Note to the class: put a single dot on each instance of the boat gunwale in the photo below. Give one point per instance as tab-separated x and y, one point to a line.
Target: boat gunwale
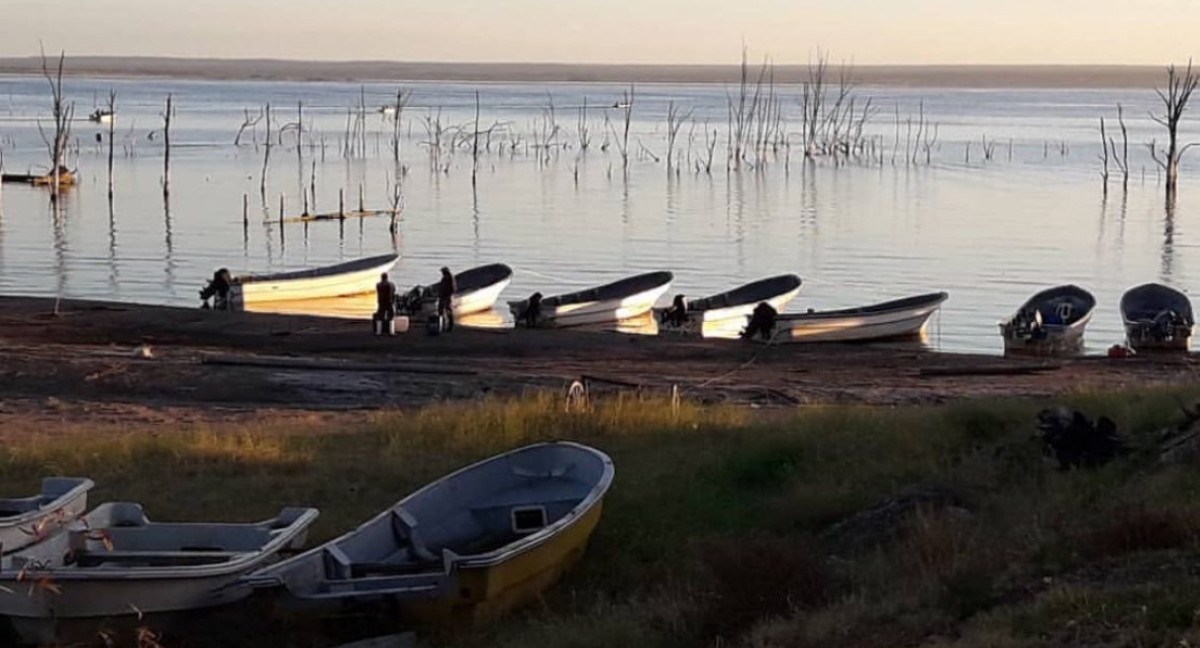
915	302
345	267
82	486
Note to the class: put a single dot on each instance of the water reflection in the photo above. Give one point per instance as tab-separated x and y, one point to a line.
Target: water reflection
1168	244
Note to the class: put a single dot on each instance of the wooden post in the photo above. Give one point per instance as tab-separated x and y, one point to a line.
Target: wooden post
360	199
341	203
245	210
281	210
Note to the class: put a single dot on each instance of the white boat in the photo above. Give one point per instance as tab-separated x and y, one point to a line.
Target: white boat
1051	321
114	562
620	300
28	520
724	314
894	319
471	545
342	280
478	290
1157	317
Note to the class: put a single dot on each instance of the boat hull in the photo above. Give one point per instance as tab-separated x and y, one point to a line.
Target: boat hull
342	284
485	593
597	312
468	303
856	327
726	322
1138	339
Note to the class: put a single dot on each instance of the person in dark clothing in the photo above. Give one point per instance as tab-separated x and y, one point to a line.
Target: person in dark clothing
762	322
446	289
677	314
385	300
533	311
218	287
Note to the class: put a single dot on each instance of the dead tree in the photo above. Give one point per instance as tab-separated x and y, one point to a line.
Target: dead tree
63	113
675	119
475	142
1175	102
166	179
112	119
248	122
581	127
1122	160
1104	157
625	104
402	97
262	187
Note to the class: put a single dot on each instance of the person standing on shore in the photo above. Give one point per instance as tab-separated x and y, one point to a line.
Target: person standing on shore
385	298
446	289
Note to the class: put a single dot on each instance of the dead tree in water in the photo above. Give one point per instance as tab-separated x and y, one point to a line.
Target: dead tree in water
1104	157
248	122
625	104
675	119
266	155
402	97
166	179
62	113
581	127
1175	102
1122	160
112	119
475	142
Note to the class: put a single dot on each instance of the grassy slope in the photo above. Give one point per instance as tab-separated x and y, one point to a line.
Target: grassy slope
712	532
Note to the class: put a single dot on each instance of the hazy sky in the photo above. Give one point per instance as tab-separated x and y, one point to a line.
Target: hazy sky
614	31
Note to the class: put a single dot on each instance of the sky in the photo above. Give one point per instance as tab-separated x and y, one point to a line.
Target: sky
614	31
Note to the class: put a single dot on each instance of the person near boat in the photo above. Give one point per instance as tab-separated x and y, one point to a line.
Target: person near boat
445	307
762	322
385	298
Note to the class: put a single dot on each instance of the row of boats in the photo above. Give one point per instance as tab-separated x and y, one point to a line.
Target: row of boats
479	289
471	545
1155	316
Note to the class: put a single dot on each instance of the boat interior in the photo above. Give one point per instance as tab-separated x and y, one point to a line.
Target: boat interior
482	277
53	488
1149	302
118	535
471	513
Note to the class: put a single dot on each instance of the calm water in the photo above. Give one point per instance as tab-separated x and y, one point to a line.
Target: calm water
989	232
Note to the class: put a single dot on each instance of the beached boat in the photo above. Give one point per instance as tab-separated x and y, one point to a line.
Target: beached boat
472	545
620	300
1051	321
728	310
894	319
114	562
478	290
1157	317
25	521
342	280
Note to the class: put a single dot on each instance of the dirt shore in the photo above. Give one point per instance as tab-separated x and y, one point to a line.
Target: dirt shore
88	363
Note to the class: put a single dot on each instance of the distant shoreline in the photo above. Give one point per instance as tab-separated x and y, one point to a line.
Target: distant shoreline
961	76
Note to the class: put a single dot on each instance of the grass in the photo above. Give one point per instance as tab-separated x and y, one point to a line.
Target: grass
715	530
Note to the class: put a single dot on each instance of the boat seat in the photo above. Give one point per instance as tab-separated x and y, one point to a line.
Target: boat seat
404	525
338	565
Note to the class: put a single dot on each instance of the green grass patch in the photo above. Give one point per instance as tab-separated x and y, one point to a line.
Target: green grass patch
714	531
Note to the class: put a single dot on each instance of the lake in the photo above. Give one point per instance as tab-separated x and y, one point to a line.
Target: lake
988	231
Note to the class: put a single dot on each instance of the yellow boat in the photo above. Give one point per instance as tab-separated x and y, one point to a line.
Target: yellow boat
470	546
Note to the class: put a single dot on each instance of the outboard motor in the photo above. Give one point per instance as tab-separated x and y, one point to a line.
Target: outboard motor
218	290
